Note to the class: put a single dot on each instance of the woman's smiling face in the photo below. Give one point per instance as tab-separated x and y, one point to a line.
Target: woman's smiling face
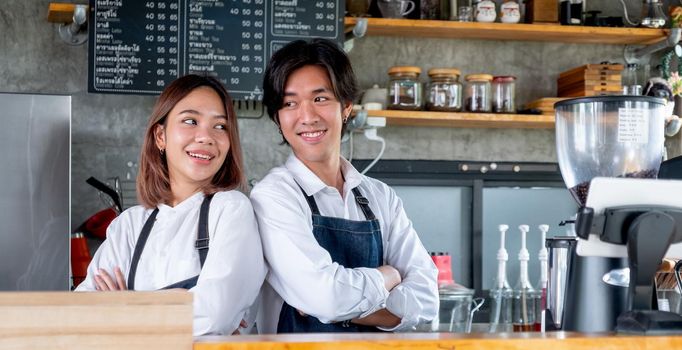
195	138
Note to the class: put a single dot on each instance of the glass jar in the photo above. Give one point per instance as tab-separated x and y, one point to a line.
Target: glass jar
504	94
404	88
444	92
454	311
477	93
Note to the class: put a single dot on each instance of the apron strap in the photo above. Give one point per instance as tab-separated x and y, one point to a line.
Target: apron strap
311	201
364	204
202	237
139	247
359	198
201	243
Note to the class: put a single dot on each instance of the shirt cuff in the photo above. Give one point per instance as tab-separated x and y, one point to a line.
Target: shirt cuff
402	303
376	293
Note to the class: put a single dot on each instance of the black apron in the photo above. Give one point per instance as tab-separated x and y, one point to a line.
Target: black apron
201	244
351	244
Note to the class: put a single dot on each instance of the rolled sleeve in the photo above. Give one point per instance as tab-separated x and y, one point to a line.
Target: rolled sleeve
415	299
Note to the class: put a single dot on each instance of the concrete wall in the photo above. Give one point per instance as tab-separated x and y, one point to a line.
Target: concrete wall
107	129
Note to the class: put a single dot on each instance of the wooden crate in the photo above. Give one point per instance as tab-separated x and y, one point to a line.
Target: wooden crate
96	320
590	80
542	11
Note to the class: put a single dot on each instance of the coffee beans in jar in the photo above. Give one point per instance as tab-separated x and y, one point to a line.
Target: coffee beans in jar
504	94
404	88
444	91
477	93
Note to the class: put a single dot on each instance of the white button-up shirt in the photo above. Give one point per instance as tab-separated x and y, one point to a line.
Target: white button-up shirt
233	271
303	273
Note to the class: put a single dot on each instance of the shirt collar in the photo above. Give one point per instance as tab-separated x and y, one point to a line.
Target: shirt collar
312	184
189	203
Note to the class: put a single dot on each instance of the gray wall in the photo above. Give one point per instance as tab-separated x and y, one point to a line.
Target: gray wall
107	129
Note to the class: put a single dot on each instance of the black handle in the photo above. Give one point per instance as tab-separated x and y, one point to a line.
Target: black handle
106	190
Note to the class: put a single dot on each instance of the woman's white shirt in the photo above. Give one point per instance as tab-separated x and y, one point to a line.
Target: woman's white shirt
303	273
233	271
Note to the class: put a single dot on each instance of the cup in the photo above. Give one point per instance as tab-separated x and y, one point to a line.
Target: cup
465	14
395	8
560	251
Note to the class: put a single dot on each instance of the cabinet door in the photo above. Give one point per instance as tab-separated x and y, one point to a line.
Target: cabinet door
441	215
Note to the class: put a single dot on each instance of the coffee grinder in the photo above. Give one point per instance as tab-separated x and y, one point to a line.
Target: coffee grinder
609	150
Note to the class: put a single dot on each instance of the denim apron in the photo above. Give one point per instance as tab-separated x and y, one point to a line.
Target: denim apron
351	244
201	244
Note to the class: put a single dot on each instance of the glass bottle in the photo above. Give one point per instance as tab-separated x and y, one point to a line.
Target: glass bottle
523	304
653	15
404	88
477	93
501	294
504	94
444	92
541	290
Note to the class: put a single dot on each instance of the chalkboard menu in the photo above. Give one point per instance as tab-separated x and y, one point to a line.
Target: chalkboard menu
140	46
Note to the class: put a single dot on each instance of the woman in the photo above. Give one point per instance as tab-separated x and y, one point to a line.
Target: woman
194	230
342	254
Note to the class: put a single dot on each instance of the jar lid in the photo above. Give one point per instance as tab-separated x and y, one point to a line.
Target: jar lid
454	72
455	290
395	70
479	77
504	79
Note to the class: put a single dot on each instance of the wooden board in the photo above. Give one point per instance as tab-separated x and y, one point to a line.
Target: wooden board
571	79
591	85
545	104
581	93
102	320
594	68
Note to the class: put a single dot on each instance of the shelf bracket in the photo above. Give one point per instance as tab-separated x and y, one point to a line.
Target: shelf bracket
640	54
72	20
359	30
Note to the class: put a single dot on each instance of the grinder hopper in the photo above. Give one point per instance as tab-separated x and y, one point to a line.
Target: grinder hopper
608	136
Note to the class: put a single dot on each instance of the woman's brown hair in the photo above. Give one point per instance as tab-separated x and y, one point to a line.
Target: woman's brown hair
153	182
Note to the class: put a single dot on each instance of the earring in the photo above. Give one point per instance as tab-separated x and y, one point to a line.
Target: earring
162	152
346	118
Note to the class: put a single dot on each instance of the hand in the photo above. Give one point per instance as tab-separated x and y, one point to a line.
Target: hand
391	276
242	324
380	318
104	282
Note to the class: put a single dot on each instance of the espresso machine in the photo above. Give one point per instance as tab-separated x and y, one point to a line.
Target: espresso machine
609	150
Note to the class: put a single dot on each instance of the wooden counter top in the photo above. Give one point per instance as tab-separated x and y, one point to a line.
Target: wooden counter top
515	341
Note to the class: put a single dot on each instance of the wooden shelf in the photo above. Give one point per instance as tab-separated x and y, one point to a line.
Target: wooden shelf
504	31
464	120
